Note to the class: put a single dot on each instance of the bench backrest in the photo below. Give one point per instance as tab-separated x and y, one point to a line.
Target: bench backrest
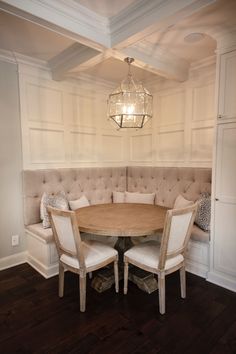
97	183
169	182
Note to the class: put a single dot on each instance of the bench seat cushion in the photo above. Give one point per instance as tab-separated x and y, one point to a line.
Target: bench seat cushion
199	235
38	230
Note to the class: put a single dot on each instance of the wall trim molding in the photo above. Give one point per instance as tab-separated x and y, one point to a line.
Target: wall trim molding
13	260
222	280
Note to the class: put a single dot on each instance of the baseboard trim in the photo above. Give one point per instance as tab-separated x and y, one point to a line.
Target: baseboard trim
222	280
46	272
13	260
195	268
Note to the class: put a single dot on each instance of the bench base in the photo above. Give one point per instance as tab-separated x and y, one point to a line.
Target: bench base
42	255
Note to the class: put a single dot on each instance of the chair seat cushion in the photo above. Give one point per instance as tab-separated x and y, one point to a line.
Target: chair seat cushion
94	253
148	253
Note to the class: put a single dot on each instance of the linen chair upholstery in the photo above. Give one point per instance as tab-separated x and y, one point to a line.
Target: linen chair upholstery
167	257
78	256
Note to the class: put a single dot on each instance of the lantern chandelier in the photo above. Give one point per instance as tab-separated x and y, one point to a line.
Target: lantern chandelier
130	105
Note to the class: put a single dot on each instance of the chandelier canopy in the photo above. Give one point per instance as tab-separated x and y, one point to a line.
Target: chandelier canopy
130	105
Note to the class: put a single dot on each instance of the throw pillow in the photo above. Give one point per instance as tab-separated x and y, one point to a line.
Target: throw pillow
203	216
143	198
181	202
118	197
58	201
79	203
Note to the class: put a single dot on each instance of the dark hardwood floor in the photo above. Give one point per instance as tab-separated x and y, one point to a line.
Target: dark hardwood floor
34	320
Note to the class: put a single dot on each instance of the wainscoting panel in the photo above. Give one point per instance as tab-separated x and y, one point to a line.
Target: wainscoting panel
83	146
202	142
65	124
203	103
171	146
112	147
81	110
44	104
141	147
46	145
172	107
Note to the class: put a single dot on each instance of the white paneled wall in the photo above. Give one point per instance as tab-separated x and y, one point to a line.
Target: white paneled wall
181	130
65	124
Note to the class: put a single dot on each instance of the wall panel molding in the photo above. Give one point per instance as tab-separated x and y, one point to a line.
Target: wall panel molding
65	123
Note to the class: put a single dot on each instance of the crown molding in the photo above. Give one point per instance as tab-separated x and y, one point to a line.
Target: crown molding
203	63
7	56
226	41
64	17
17	58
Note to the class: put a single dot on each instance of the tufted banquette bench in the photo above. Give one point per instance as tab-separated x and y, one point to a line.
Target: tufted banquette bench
98	183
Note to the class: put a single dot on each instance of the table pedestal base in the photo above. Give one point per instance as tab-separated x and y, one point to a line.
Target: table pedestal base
104	279
144	280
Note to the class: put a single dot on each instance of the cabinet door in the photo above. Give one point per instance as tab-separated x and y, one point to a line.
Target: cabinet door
225	205
227	84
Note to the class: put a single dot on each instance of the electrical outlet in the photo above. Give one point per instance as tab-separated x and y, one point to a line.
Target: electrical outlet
15	240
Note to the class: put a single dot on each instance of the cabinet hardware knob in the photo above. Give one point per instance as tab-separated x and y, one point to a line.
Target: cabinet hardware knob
216	199
220	116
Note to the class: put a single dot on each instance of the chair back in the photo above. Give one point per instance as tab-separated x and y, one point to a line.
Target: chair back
176	233
66	233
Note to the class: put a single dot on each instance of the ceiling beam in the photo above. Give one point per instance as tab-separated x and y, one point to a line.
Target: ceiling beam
77	54
157	61
144	17
91	62
66	18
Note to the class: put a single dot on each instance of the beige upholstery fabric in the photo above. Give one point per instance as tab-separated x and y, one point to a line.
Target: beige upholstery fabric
38	230
94	253
144	198
181	202
178	231
79	203
199	235
118	197
148	254
169	182
97	183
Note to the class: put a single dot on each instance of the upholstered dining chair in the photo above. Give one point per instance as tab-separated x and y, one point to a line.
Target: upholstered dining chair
167	257
78	256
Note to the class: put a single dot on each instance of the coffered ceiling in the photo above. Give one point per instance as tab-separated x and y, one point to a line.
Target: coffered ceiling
92	37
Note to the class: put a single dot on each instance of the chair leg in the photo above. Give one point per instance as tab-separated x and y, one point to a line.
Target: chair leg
182	274
162	295
116	273
61	280
82	286
126	273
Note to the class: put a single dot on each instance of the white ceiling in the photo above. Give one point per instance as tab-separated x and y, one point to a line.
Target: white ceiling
92	37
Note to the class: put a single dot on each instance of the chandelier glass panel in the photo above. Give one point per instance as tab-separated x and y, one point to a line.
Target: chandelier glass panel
130	105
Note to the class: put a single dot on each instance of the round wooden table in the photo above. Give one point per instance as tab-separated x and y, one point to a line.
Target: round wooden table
124	220
121	219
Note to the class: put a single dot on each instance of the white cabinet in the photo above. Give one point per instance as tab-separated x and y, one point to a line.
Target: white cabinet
227	86
223	238
224	245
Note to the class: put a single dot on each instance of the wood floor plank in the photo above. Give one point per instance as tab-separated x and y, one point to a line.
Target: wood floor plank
33	319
